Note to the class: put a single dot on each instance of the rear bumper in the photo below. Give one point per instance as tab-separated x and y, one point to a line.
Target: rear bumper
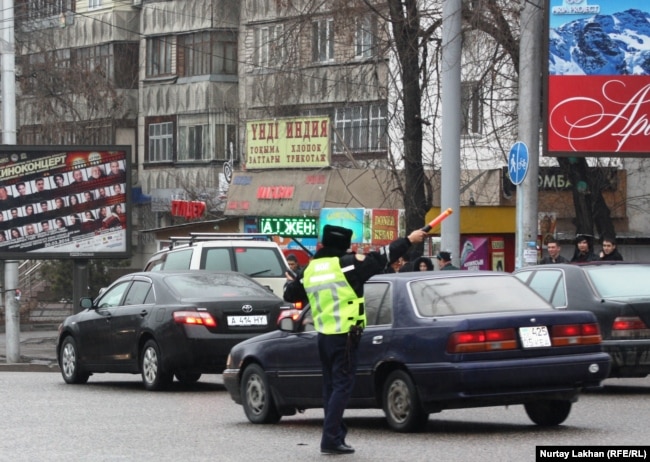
630	358
205	354
484	383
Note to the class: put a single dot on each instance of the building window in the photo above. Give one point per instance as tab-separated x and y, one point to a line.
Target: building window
472	122
92	4
226	141
161	142
159	56
360	128
366	37
40	9
194	138
323	40
268	49
96	59
206	53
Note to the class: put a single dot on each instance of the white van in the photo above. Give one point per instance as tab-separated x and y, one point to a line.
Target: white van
255	255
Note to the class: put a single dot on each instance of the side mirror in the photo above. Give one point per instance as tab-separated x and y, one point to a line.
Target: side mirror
86	303
287	324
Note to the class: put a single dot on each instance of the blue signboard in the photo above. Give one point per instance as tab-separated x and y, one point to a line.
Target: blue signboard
518	162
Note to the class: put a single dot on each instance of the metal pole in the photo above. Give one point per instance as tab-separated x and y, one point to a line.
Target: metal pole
451	117
529	120
12	312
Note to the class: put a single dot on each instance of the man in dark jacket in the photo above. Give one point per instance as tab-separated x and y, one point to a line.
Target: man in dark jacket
584	249
553	248
333	283
610	252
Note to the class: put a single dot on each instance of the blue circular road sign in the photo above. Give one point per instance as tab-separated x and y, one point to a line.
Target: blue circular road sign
518	162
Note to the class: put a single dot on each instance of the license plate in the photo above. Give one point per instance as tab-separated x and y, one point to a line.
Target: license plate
247	321
534	337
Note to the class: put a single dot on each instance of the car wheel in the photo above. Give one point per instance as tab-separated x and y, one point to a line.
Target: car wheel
187	377
548	413
154	376
69	362
256	396
402	404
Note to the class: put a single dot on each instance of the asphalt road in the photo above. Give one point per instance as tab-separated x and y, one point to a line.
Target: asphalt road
112	418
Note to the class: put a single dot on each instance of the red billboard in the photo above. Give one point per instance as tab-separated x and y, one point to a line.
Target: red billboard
65	202
597	78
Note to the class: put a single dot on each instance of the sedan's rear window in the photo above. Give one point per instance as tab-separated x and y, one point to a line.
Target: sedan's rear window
620	281
466	295
210	285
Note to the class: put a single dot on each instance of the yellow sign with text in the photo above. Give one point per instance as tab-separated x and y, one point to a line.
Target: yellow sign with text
301	142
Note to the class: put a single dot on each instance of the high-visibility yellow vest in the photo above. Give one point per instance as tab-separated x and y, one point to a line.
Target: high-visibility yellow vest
334	304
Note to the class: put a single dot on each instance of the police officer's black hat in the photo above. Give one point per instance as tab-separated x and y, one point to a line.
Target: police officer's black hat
337	237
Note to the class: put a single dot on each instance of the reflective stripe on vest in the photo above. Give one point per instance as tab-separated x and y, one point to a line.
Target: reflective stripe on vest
334	303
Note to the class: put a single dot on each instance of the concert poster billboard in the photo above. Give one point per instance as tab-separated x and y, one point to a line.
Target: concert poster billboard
65	202
597	81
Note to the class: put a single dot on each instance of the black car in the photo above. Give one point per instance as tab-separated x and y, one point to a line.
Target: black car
618	293
433	341
165	324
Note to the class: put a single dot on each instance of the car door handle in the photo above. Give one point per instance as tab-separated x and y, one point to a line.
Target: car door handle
143	313
378	340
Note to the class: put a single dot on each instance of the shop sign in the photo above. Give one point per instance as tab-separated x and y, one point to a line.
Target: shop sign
302	142
289	226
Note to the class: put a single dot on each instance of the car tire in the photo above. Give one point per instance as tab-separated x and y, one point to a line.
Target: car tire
187	377
256	396
69	362
548	413
401	404
154	377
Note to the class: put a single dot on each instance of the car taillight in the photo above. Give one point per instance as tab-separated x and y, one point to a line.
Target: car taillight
482	340
298	305
292	313
629	327
199	318
575	334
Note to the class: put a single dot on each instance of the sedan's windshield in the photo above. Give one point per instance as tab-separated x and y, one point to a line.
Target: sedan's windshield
620	281
465	295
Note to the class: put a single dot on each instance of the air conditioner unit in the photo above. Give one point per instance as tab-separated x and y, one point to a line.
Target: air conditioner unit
137	3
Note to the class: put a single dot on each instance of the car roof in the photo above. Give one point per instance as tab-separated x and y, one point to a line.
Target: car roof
414	275
583	265
163	274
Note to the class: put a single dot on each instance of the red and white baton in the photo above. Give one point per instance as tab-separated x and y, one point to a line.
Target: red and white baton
437	220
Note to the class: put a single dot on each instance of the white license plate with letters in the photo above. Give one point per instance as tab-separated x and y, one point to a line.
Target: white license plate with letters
534	337
247	320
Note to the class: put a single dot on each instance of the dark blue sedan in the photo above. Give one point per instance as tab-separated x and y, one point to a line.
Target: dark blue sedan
434	341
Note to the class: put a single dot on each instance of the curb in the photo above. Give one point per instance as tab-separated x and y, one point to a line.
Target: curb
30	367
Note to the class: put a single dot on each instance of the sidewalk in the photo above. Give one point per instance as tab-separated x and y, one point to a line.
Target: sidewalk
37	351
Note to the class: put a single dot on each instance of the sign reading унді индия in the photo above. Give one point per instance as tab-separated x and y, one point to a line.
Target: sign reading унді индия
288	143
598	78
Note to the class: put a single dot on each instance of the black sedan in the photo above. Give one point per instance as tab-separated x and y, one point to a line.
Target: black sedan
165	324
434	341
617	293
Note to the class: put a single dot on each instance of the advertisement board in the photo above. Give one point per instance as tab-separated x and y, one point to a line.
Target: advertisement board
302	142
65	202
597	78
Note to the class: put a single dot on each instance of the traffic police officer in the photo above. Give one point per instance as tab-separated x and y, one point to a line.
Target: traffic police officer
333	283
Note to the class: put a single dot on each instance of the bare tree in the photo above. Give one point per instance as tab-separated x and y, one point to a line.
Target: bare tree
499	20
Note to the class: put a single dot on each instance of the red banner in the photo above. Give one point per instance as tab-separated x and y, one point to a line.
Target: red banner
188	209
598	114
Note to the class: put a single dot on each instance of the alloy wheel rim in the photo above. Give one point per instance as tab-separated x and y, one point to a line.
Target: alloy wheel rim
150	365
68	360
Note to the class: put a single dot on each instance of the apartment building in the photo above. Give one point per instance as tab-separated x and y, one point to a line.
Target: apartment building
178	80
